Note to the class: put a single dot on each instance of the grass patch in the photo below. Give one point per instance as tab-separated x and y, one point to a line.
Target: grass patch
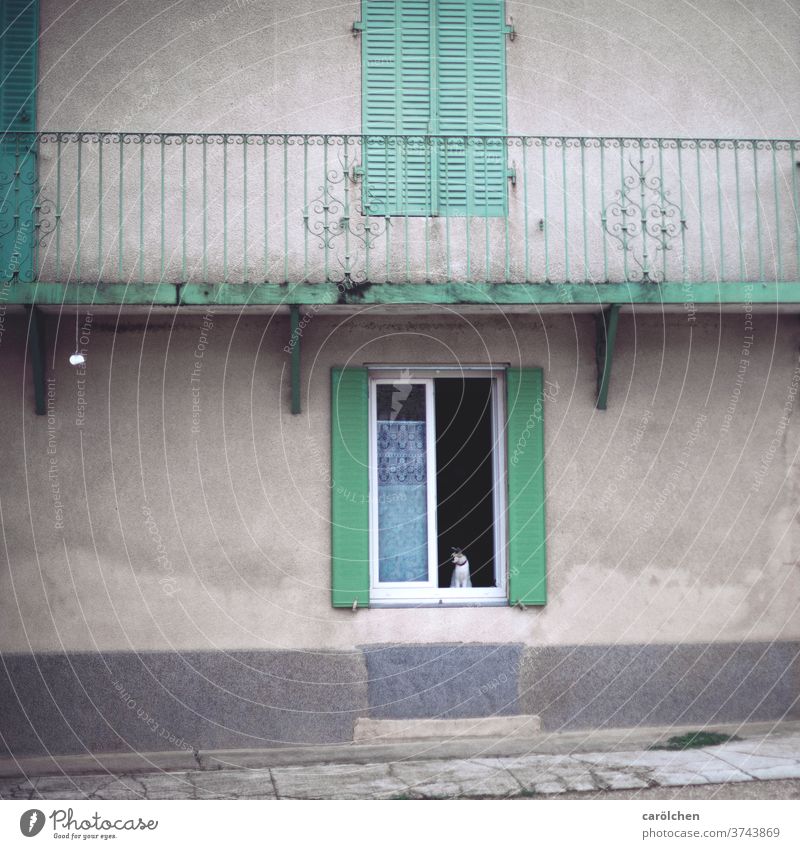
695	740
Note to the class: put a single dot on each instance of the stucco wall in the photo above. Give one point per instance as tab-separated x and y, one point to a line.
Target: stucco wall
140	517
211	211
580	67
710	68
665	522
205	65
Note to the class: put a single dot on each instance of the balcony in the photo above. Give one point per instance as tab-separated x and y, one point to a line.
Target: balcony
559	213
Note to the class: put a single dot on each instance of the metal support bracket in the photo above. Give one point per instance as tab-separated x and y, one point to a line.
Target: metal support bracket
605	337
358	26
294	349
511	174
36	349
509	29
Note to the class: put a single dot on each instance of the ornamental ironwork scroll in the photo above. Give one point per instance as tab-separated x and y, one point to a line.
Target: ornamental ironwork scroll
643	219
19	207
337	216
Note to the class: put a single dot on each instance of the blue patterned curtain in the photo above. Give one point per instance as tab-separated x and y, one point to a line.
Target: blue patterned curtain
402	501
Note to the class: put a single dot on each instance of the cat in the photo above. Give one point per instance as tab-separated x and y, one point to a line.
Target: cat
460	577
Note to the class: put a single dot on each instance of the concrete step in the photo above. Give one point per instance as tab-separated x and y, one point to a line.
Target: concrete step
522	726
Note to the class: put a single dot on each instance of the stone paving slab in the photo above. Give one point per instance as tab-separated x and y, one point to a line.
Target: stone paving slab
337	781
664	768
178	785
756	759
548	775
786	746
774	772
446	779
174	785
234	783
477	777
690	758
67	787
609	779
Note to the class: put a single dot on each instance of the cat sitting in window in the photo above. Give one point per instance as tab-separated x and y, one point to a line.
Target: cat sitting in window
460	577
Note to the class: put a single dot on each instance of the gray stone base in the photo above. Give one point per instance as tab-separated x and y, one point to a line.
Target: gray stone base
161	701
443	680
154	701
574	687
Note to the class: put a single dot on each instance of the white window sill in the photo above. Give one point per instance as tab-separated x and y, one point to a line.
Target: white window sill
406	603
489	597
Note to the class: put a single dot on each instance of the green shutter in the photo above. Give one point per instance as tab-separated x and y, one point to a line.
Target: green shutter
396	88
526	507
470	53
455	49
349	487
19	30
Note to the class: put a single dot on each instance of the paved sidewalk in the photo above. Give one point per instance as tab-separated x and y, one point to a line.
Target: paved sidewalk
757	758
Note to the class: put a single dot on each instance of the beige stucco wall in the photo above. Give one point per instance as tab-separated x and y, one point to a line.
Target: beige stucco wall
665	523
709	68
204	65
662	525
712	68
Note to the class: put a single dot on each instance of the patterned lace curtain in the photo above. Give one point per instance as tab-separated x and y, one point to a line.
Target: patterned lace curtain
402	502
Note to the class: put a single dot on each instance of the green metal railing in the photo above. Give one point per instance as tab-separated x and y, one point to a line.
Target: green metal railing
167	207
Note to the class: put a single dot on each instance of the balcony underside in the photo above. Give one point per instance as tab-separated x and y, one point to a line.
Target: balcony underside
688	294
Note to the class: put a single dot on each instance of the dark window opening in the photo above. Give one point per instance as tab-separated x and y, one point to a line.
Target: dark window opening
465	477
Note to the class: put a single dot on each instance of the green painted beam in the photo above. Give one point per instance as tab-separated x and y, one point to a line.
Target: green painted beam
37	349
690	294
606	330
503	294
294	345
66	294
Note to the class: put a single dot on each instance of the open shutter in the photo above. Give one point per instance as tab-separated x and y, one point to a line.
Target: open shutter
349	487
526	507
396	91
19	31
471	89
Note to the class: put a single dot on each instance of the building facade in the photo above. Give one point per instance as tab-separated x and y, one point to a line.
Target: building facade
296	299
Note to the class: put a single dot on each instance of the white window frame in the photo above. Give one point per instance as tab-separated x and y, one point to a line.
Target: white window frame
416	594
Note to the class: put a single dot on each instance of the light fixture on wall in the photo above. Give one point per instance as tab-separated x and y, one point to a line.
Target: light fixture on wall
78	358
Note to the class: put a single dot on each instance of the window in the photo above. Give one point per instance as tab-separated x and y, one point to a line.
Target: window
436	479
426	459
434	112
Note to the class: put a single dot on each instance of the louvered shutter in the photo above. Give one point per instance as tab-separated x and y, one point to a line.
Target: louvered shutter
434	67
470	73
349	487
19	30
396	88
526	492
